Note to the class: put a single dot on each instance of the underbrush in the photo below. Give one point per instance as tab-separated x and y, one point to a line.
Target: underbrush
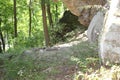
103	73
90	67
61	32
83	56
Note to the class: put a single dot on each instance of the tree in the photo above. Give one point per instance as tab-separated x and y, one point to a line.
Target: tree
49	13
56	13
2	43
30	17
22	22
46	33
15	19
6	22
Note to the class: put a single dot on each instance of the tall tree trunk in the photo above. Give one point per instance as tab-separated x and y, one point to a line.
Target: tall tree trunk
30	18
2	39
49	13
110	37
15	19
3	42
46	34
56	13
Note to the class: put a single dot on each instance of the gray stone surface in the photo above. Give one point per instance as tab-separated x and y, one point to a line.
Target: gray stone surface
95	27
110	36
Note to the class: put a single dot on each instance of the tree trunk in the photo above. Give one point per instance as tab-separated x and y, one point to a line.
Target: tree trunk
49	13
15	19
30	17
56	13
46	34
2	48
2	43
110	36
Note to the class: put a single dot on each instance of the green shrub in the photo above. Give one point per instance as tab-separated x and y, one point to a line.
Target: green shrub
17	67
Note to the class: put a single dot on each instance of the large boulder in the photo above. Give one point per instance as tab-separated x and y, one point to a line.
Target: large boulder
80	8
87	13
96	24
109	46
95	27
74	5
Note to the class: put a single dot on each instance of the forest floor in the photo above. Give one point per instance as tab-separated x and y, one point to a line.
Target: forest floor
63	61
75	60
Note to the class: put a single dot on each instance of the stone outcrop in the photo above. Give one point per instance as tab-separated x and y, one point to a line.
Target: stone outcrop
95	27
87	13
74	5
109	46
84	9
96	24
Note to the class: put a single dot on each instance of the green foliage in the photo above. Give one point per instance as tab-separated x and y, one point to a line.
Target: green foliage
33	41
6	14
7	27
87	57
60	30
57	33
26	68
17	67
23	39
83	56
66	24
102	74
89	67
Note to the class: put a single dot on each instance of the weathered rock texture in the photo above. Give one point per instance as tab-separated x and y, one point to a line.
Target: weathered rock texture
84	9
95	27
110	37
96	24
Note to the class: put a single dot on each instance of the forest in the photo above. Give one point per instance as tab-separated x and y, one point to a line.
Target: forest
55	40
21	22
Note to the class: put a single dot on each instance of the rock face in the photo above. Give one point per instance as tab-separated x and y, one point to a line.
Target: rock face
110	36
95	27
74	5
84	9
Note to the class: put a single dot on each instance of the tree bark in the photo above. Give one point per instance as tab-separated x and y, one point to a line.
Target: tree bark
109	45
3	42
46	34
15	19
2	39
30	18
49	13
56	13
